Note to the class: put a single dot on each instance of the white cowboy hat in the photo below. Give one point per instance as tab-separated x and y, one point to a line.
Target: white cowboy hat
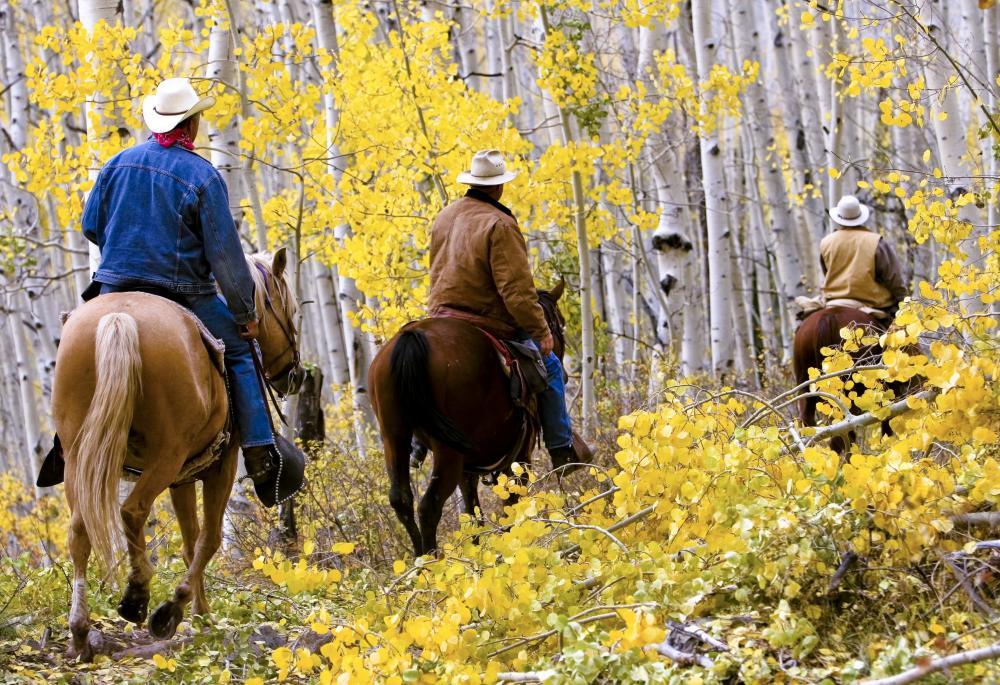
849	212
174	101
487	169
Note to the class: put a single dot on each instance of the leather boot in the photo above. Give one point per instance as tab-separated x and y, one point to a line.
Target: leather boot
578	454
259	462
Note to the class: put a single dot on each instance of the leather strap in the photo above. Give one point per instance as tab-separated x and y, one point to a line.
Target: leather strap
265	386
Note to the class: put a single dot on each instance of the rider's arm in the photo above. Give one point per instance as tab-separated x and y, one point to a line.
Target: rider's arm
512	275
888	271
224	251
93	219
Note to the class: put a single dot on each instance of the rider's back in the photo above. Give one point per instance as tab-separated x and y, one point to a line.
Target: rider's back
849	257
147	216
479	266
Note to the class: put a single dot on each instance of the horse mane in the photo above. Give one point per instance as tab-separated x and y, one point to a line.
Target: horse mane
260	270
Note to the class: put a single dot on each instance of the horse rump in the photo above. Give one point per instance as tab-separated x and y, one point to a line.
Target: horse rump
409	369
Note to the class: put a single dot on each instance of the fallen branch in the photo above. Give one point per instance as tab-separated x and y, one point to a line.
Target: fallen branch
637	516
970	591
696	632
861	420
682	658
935	665
846	562
526	677
978	518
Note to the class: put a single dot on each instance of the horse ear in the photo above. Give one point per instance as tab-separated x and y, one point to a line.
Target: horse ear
279	262
557	291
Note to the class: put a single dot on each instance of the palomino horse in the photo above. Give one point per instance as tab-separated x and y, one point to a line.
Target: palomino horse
440	380
155	397
822	329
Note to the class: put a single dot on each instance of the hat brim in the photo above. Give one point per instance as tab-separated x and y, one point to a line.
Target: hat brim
470	180
856	221
160	123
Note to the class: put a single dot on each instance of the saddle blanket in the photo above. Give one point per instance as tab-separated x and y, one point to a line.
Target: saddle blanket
807	305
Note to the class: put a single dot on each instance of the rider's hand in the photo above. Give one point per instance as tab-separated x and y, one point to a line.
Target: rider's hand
545	344
248	331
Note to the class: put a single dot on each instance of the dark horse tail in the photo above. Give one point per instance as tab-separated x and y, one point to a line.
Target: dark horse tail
408	366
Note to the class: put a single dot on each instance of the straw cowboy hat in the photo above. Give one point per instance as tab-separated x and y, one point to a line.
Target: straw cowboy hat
487	169
849	212
174	101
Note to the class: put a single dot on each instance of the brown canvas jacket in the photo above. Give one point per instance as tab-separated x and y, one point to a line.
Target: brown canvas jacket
860	265
480	269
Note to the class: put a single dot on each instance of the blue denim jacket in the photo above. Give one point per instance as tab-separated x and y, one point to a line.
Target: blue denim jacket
161	217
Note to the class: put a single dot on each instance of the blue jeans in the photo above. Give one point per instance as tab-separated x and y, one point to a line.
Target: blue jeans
249	408
557	431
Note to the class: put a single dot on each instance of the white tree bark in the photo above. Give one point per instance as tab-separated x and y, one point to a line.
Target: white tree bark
716	205
225	143
347	292
991	34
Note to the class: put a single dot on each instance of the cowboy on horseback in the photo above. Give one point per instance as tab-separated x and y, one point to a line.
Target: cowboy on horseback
860	267
160	215
480	273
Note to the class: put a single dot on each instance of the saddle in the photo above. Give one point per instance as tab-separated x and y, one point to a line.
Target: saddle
523	365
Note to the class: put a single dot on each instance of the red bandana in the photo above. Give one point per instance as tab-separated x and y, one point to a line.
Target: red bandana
178	135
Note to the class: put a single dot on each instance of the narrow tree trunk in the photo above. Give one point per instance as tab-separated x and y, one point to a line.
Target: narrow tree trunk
716	205
225	143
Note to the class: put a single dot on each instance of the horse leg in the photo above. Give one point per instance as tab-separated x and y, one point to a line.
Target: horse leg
164	465
216	488
79	613
397	464
184	498
469	485
470	493
445	477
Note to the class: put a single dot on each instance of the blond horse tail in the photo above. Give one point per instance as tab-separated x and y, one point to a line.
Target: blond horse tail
102	443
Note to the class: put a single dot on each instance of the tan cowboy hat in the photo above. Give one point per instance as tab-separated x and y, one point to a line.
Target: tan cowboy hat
849	212
174	101
487	169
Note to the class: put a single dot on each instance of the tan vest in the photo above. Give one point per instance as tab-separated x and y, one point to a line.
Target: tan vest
849	255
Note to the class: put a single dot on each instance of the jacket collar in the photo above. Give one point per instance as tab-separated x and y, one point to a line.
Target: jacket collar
483	197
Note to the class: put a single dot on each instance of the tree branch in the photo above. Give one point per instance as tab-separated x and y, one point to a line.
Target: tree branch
862	420
935	665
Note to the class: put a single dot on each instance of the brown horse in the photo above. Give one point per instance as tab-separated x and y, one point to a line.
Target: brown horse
822	329
153	398
440	380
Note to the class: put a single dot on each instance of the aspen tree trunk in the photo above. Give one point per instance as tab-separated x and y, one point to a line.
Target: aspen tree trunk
760	136
991	33
225	143
587	353
249	174
27	381
326	297
92	12
495	49
736	186
950	132
351	339
716	206
466	39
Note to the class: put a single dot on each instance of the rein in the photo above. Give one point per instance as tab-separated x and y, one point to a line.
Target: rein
265	385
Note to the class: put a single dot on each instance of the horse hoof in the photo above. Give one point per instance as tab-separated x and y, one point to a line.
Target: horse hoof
134	604
164	621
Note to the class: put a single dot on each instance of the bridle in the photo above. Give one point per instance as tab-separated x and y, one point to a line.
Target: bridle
292	373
